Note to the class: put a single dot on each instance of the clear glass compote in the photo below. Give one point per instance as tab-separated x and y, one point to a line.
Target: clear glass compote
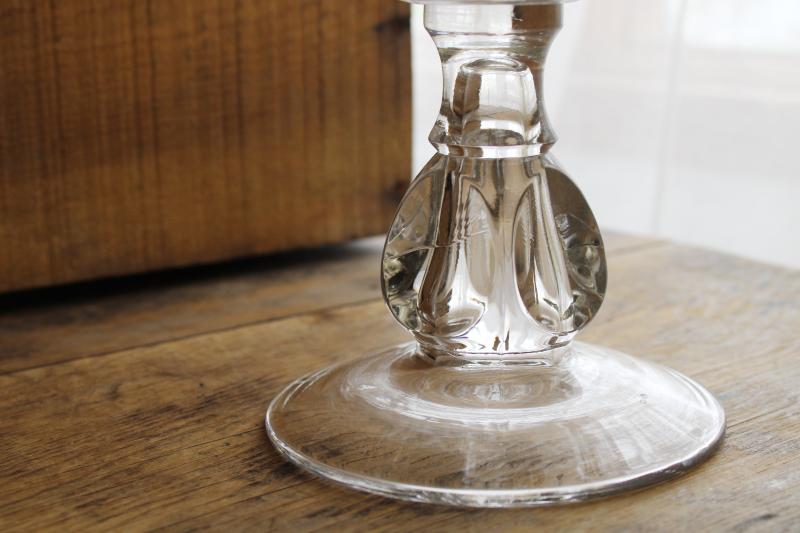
494	262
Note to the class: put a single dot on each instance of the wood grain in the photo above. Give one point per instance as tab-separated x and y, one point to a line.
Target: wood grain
170	435
45	327
137	135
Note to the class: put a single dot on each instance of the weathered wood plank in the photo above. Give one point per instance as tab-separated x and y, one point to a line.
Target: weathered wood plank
137	135
46	327
171	435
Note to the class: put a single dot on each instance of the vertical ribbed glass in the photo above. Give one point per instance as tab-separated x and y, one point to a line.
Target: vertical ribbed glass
494	254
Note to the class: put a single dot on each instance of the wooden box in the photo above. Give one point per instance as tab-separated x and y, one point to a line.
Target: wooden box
142	134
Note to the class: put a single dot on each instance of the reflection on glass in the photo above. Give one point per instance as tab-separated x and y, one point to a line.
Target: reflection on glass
494	263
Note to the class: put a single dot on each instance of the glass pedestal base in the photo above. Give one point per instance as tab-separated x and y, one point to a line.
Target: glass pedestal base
398	424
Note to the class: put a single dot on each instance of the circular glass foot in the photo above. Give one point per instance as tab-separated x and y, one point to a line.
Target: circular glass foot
400	425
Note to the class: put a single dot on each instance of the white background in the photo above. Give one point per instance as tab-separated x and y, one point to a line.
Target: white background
677	118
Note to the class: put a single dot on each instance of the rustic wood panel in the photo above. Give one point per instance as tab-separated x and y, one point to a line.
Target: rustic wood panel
46	327
171	435
142	134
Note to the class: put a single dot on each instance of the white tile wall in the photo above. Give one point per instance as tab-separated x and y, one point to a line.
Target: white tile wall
678	118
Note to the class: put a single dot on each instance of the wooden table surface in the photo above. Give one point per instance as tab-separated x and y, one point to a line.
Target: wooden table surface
139	404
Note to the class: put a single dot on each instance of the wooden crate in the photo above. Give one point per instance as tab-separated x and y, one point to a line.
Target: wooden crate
142	134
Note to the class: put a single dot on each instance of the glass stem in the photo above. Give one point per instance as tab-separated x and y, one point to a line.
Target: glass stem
494	255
